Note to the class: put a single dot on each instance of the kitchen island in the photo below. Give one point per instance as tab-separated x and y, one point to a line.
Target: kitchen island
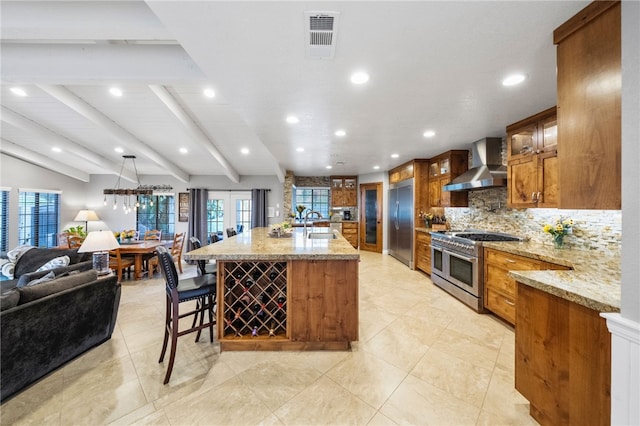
563	347
287	293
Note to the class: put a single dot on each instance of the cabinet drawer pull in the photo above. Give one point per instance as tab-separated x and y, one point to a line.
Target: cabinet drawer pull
509	302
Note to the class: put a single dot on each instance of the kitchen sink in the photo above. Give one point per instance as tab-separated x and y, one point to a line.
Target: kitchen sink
321	235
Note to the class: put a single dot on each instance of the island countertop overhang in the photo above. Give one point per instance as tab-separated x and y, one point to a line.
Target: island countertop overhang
256	244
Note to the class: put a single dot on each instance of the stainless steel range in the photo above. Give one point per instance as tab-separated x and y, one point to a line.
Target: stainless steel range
457	263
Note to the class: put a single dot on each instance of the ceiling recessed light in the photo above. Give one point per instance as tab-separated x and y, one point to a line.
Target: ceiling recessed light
244	151
513	79
395	155
359	77
329	167
118	150
292	119
115	91
209	93
340	133
376	167
56	149
429	134
18	91
183	150
300	149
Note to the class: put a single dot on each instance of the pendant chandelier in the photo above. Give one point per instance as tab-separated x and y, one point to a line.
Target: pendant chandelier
124	195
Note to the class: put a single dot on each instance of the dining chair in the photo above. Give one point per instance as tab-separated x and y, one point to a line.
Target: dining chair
176	252
63	239
204	267
200	288
231	232
153	234
74	241
120	264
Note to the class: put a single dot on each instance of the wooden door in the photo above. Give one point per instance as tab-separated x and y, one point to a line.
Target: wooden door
371	217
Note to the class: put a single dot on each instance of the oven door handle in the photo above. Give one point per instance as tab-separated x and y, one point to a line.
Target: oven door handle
459	256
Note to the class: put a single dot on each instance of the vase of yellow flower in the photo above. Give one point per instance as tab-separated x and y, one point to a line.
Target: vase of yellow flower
427	217
300	208
558	231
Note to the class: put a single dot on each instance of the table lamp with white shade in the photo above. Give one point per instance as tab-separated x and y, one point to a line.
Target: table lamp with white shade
86	216
99	243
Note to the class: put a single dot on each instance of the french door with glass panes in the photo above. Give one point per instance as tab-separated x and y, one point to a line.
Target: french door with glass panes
228	209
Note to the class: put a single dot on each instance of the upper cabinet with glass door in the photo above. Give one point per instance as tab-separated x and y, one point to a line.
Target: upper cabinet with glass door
534	135
344	191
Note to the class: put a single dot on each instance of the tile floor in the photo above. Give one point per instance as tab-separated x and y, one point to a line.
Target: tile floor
423	358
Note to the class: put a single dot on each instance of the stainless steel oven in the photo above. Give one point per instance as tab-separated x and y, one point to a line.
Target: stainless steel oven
457	263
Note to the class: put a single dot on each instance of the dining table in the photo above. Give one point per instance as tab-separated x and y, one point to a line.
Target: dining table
138	249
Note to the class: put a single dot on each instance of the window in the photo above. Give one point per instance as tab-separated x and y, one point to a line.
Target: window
316	199
156	212
38	218
4	208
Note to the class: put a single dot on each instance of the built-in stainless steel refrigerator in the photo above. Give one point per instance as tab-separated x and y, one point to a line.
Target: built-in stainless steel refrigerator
401	221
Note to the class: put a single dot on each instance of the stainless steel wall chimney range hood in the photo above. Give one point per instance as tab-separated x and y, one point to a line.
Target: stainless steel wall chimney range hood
486	170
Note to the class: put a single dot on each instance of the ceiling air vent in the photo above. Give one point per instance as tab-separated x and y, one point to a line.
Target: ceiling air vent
321	29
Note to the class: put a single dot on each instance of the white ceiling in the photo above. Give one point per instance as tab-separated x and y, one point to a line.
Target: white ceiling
433	65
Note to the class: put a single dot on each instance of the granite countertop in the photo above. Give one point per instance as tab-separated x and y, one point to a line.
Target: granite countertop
256	244
594	280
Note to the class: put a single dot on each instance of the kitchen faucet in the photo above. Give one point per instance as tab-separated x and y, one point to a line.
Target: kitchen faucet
309	213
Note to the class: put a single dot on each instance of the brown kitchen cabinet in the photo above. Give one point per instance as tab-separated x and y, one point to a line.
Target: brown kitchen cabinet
533	135
442	170
350	232
423	251
533	161
500	292
562	360
344	191
589	108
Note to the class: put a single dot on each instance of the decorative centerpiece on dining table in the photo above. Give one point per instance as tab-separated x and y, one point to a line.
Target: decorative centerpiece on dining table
559	230
125	237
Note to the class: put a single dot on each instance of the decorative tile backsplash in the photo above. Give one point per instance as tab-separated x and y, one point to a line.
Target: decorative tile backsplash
592	230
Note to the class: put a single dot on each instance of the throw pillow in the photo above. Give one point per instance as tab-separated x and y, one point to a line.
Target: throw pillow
54	263
31	293
25	282
8	269
9	299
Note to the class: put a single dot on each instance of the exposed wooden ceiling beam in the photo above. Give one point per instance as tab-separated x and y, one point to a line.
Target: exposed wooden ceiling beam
41	160
71	147
198	135
65	96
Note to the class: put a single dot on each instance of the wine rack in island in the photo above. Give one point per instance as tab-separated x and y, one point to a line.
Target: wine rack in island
254	301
